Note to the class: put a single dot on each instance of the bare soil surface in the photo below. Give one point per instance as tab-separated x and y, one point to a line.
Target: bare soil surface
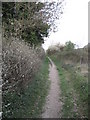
52	108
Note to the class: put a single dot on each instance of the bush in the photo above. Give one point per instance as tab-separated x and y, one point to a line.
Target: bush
69	46
20	63
28	104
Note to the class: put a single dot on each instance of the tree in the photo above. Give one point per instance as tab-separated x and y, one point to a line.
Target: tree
69	46
29	21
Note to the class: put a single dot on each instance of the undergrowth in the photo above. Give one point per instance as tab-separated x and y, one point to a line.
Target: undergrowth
30	102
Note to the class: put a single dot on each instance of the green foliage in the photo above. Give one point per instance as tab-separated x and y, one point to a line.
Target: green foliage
30	21
21	20
69	46
35	35
8	11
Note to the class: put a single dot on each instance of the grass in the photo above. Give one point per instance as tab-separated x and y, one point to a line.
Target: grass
66	91
29	104
74	89
80	86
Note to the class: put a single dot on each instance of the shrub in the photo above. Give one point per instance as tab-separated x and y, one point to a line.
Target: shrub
20	63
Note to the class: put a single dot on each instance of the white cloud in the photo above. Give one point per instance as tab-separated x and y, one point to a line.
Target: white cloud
73	24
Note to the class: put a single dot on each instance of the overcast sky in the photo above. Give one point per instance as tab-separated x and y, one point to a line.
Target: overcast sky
73	25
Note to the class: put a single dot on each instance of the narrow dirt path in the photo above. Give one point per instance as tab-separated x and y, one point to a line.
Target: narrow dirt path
52	108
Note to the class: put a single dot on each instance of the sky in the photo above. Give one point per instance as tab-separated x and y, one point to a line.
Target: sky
72	26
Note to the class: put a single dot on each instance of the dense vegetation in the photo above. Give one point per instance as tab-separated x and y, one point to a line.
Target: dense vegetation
73	71
68	53
29	103
29	21
24	26
21	20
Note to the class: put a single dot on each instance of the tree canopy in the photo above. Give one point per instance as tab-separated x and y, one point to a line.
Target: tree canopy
69	46
29	21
